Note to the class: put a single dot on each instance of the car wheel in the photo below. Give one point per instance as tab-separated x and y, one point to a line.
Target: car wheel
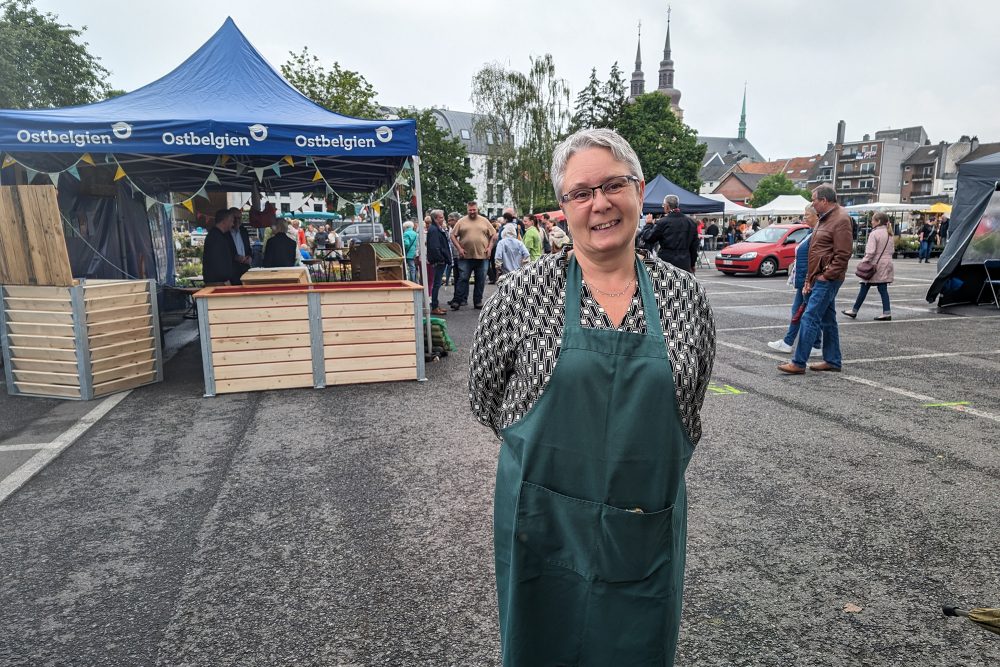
768	267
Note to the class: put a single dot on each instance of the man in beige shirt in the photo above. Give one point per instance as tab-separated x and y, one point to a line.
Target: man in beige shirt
473	238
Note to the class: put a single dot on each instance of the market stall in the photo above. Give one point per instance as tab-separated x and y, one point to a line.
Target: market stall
285	336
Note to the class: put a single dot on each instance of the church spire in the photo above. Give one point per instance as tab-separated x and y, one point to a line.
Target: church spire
743	115
666	79
638	78
666	47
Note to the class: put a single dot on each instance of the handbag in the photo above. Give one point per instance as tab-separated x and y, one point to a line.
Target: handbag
865	269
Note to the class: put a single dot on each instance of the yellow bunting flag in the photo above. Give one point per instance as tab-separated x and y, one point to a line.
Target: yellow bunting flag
119	173
224	159
86	158
289	160
317	176
188	204
378	207
7	161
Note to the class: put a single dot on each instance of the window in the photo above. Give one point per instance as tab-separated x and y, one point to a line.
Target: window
908	167
465	135
489	193
468	163
867	167
489	138
848	168
866	183
927	171
286	208
845	185
489	169
864	149
318	208
797	235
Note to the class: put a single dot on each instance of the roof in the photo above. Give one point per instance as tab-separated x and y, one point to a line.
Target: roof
727	145
796	168
750	181
784	205
660	187
225	101
982	151
924	154
456	121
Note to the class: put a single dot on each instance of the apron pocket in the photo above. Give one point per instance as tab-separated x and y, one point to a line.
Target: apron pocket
597	541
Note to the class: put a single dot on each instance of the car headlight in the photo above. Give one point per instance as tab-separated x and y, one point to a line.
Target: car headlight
748	255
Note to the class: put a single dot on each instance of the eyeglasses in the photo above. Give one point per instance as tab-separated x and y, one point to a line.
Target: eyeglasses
610	188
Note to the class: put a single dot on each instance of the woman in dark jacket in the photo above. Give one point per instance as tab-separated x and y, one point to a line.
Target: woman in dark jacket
438	256
280	249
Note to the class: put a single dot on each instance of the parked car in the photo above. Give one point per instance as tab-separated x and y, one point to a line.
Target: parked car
766	252
361	232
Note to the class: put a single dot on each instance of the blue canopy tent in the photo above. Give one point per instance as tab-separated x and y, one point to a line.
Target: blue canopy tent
224	120
691	204
973	233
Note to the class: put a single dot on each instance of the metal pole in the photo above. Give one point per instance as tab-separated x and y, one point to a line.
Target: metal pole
83	363
316	339
423	252
205	335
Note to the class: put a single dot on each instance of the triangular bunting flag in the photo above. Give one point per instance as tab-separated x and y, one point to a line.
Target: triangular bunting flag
357	209
224	159
289	160
119	173
168	208
240	168
310	162
260	173
212	177
378	207
149	202
276	167
201	193
73	170
317	176
406	164
54	177
86	158
7	161
188	204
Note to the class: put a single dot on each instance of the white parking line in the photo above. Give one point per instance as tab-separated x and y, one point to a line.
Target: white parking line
877	385
22	448
943	317
16	479
788	304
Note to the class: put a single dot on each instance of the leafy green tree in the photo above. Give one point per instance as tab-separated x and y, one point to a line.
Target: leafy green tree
43	63
339	90
587	107
663	143
771	186
613	99
444	177
522	116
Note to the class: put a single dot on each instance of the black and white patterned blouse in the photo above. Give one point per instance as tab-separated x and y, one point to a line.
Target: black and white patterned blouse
520	334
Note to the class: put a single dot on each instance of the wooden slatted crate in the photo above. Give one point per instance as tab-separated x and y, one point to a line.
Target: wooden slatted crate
80	342
276	337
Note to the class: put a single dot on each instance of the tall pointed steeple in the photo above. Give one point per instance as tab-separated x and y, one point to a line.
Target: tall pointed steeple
666	82
743	115
638	78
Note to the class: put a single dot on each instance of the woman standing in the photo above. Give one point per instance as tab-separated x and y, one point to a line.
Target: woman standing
877	251
591	365
410	243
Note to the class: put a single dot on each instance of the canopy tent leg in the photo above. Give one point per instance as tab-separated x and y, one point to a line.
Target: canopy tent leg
428	343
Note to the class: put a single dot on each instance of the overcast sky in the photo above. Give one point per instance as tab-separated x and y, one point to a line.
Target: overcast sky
876	64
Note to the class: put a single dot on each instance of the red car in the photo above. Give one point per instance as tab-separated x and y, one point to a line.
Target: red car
765	252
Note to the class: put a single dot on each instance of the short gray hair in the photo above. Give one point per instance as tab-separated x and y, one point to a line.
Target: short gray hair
435	213
811	209
671	202
408	224
826	192
591	138
454	215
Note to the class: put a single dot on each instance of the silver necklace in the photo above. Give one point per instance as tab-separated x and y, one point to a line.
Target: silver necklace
611	294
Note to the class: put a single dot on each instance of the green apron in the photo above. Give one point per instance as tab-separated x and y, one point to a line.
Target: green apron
590	513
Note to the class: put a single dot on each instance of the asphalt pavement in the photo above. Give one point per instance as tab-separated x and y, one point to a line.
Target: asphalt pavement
831	514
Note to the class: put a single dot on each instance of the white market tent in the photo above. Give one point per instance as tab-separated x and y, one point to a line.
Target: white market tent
784	205
885	207
732	208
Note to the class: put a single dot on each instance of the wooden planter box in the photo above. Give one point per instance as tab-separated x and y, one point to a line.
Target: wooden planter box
285	336
80	342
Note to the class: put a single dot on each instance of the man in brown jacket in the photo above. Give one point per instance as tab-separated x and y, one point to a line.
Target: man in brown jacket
829	252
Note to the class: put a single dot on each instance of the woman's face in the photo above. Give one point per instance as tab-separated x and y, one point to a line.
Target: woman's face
810	218
604	225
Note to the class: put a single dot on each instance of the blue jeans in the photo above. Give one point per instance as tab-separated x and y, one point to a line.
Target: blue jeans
411	269
793	327
820	317
883	291
439	270
447	271
465	269
925	250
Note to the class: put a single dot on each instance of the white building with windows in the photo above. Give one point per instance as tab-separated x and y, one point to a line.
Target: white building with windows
491	194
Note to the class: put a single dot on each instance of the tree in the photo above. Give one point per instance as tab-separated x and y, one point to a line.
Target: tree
587	108
339	90
521	117
42	61
613	100
444	176
663	143
772	186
